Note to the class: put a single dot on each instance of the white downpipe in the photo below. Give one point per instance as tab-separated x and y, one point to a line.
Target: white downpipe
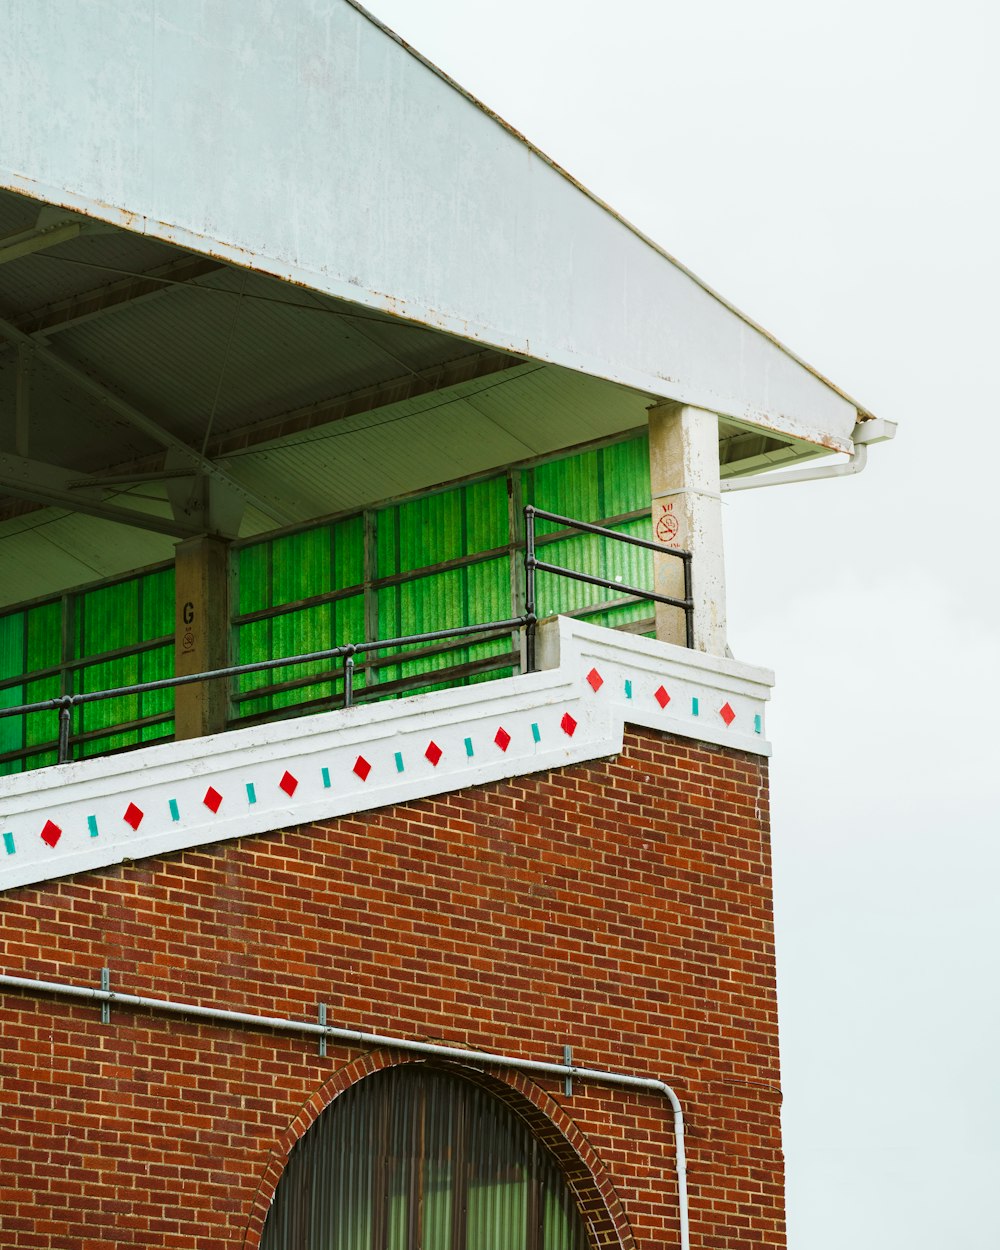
856	463
875	430
287	1025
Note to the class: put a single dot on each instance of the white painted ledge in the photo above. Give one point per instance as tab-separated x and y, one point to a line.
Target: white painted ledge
93	813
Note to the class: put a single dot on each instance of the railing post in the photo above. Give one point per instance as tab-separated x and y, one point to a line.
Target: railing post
529	587
349	677
689	597
65	725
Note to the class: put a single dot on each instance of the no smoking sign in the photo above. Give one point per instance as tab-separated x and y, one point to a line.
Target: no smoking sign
667	527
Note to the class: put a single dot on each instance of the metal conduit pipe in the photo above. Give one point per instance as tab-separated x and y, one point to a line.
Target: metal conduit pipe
286	1025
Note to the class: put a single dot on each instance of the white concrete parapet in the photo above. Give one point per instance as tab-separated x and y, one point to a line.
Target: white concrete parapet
93	813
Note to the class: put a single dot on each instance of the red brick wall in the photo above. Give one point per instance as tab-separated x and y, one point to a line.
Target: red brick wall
623	908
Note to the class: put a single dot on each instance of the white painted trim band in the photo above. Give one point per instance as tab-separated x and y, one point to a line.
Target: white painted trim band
91	814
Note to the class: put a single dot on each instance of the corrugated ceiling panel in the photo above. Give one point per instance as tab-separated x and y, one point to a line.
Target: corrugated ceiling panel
49	550
419	443
273	351
82	264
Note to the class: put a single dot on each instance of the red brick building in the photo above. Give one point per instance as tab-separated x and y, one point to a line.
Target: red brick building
622	906
438	917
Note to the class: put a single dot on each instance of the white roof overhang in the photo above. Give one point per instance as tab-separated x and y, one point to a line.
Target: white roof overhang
307	142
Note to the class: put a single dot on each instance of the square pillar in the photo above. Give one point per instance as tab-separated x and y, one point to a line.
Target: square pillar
687	515
201	642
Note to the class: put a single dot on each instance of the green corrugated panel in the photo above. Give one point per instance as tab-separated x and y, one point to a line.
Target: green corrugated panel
310	629
41	760
287	570
254	578
44	640
11	730
157	608
571	487
591	486
487	521
348	626
11	645
301	565
124	614
107	713
104	618
431	530
489	591
107	618
154	666
253	642
41	727
625	476
348	552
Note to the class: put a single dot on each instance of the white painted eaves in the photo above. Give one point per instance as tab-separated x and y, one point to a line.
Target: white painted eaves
309	142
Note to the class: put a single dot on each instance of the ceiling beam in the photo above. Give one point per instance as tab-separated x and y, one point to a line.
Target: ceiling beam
64	314
24	242
52	486
441	377
438	378
104	394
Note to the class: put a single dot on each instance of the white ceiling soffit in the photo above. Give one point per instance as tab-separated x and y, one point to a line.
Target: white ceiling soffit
307	141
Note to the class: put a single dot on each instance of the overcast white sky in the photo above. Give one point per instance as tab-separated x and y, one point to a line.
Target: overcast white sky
833	171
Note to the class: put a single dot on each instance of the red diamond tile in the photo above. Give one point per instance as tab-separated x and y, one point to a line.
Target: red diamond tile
212	799
502	738
133	816
727	713
362	767
568	724
433	753
595	679
51	834
288	783
661	697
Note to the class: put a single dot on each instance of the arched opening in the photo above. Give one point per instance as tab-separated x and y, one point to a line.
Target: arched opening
422	1158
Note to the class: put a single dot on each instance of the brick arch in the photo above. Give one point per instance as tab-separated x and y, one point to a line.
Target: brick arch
586	1175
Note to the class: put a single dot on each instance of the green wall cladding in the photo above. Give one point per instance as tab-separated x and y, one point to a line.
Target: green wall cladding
446	558
599	485
100	637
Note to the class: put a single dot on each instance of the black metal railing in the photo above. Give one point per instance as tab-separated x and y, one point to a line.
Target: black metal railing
533	565
347	652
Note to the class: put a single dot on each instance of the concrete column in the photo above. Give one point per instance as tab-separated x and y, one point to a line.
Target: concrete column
201	569
687	515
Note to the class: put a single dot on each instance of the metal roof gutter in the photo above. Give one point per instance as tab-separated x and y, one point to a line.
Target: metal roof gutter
874	431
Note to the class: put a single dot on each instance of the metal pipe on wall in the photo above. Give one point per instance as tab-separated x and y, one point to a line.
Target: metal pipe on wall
370	1040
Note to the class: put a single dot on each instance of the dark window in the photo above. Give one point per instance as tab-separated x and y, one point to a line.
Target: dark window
415	1158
